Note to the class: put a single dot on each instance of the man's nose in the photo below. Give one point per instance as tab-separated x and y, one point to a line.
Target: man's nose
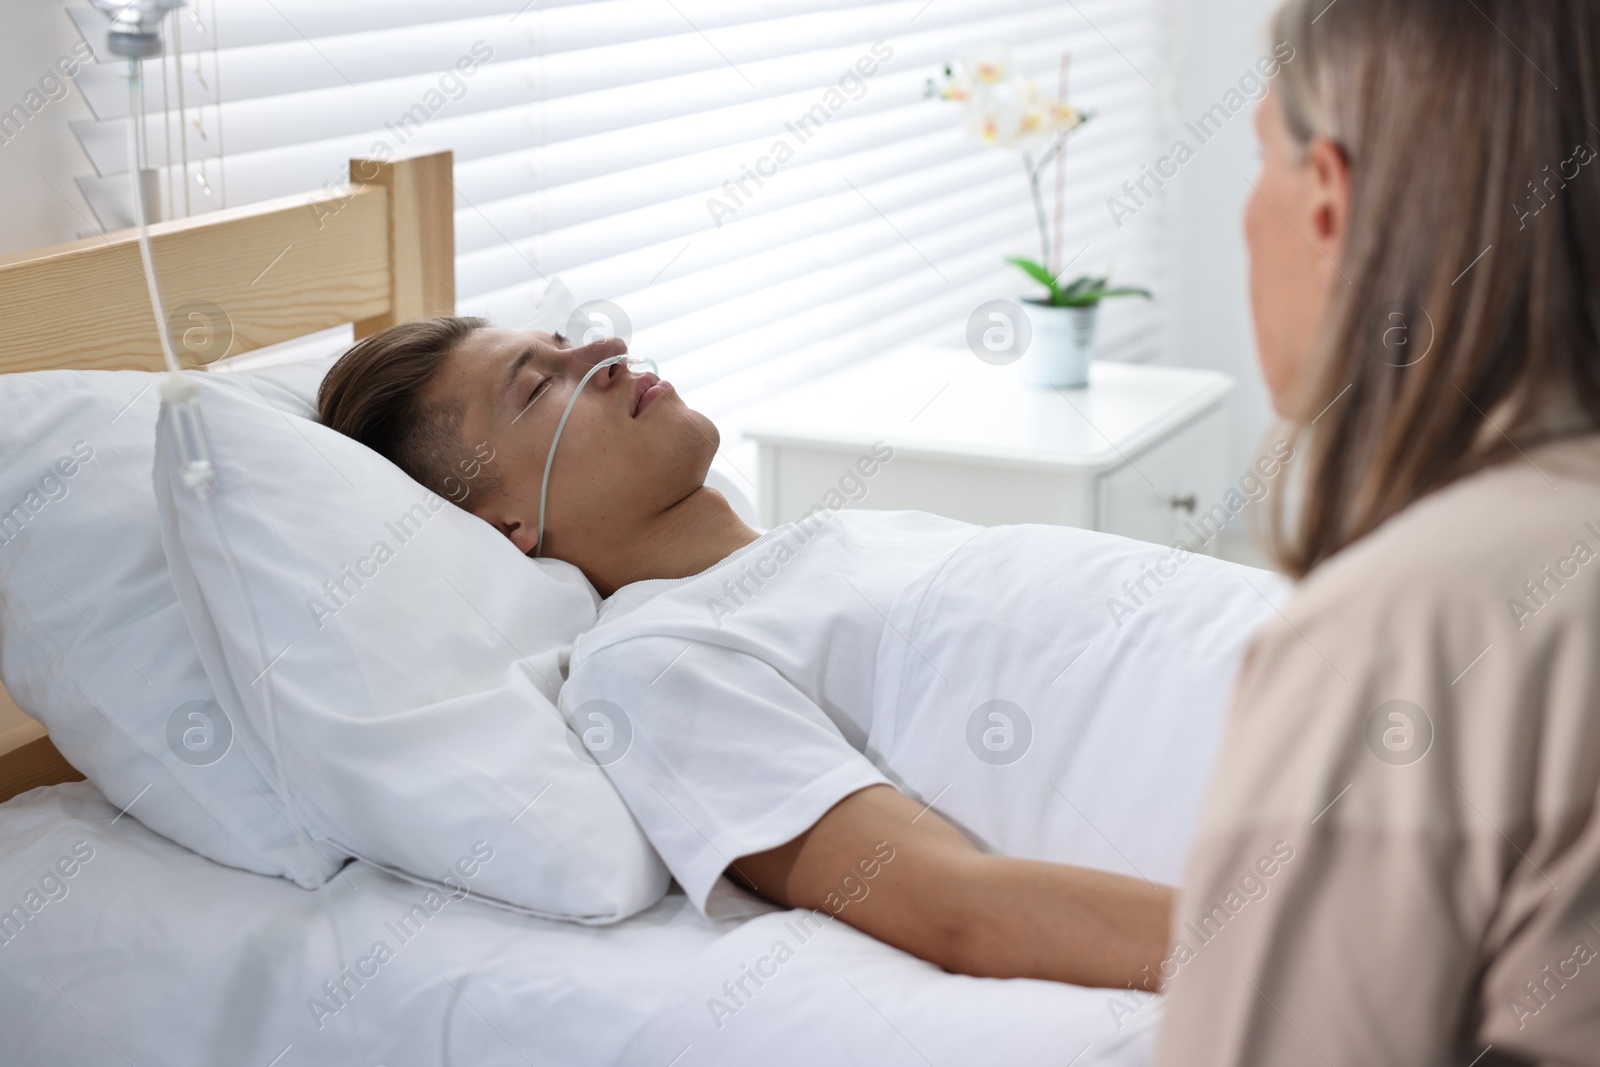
585	357
604	348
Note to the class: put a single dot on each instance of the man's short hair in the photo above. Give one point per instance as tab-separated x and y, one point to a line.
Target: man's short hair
374	395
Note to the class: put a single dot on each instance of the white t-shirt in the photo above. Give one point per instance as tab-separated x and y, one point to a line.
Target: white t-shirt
731	708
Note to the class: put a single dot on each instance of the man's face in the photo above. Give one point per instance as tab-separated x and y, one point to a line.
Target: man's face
630	449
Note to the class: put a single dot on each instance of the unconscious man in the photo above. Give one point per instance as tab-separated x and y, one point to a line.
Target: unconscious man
753	668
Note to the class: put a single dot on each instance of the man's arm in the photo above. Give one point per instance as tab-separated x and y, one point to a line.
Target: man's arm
941	899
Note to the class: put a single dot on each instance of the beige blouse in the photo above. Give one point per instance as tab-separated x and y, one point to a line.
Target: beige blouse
1399	857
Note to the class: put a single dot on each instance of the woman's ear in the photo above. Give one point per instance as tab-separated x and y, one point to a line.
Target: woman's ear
1328	172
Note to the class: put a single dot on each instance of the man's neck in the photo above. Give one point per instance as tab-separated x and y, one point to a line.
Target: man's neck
698	531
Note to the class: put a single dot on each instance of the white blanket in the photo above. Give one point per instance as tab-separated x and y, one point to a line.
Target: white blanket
1015	697
1050	691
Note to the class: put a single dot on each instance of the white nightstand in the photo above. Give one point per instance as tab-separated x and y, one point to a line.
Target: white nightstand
1135	452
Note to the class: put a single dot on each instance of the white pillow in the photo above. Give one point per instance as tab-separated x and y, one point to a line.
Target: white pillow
92	641
414	657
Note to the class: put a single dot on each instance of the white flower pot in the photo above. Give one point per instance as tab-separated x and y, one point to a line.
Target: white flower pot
1062	340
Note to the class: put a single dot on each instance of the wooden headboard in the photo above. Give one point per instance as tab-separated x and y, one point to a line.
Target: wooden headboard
379	252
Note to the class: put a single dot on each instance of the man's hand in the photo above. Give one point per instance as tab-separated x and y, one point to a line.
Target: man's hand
939	898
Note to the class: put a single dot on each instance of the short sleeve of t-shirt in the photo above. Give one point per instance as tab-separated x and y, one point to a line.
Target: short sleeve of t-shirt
715	752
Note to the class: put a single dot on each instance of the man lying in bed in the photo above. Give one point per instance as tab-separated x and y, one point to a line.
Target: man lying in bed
750	720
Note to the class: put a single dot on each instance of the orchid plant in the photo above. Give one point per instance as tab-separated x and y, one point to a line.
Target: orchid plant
1003	107
1086	291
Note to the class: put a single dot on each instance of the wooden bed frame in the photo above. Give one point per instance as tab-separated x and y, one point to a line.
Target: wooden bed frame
379	252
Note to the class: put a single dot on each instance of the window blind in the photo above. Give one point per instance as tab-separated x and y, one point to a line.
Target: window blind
764	189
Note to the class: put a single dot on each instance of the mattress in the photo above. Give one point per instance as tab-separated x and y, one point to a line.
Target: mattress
118	946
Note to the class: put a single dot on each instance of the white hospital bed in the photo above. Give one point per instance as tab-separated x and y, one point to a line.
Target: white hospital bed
148	953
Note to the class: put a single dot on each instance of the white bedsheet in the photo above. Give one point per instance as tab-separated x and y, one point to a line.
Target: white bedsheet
839	997
157	956
152	955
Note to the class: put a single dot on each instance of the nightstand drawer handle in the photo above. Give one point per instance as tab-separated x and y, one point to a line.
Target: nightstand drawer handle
1188	502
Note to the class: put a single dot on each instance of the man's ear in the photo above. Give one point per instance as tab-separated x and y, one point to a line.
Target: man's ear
1329	175
522	534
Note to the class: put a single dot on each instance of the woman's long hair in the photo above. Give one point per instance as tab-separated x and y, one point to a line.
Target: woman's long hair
1467	324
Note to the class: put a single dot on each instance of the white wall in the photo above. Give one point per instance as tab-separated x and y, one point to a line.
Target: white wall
1212	43
33	34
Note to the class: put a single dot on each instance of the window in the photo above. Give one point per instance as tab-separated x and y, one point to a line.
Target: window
632	148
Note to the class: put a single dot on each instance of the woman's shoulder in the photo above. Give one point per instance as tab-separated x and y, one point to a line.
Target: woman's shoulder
1465	625
1475	597
1519	540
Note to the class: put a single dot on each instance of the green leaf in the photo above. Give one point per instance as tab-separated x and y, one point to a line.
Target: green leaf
1094	296
1036	272
1082	285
